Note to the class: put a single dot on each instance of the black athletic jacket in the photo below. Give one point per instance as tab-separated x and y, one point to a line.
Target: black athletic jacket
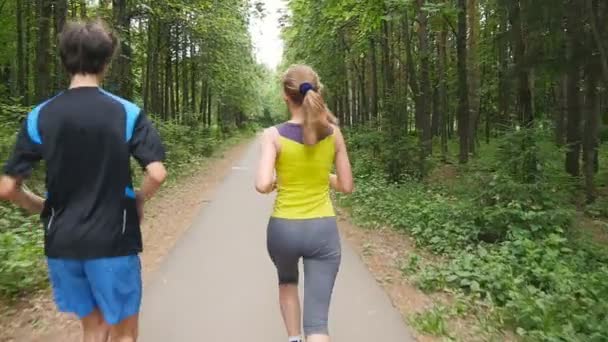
86	137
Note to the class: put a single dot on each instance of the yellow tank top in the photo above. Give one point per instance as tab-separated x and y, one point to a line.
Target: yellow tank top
303	179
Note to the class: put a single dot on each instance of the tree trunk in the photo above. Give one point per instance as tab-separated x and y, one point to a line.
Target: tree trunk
83	8
591	135
120	80
177	47
504	91
573	138
463	87
426	94
474	77
374	80
61	13
21	86
597	37
443	89
27	51
561	93
520	57
209	104
193	77
43	53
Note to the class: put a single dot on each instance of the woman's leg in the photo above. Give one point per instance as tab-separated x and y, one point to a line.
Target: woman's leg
282	242
320	271
290	308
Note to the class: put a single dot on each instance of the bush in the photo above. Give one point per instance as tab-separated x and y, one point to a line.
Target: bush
504	236
22	267
374	152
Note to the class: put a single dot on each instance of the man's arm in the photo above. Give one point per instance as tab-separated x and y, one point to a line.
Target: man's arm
153	179
148	150
11	189
19	167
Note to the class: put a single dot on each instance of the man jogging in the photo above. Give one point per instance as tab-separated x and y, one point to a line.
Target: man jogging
91	214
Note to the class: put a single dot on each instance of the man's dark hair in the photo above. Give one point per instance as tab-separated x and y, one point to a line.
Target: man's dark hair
86	47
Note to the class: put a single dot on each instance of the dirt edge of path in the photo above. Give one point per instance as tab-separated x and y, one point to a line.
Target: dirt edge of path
168	216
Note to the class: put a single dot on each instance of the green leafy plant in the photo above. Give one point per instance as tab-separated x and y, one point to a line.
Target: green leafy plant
432	321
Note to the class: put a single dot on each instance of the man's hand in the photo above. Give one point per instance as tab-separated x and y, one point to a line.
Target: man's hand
12	189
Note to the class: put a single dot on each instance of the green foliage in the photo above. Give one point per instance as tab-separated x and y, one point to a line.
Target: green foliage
396	158
504	237
431	322
22	267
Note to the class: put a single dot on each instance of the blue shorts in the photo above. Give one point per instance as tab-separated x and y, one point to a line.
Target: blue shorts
112	285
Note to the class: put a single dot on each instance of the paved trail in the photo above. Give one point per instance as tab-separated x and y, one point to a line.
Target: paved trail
218	284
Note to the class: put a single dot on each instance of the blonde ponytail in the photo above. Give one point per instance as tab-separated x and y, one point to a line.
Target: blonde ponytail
302	85
316	120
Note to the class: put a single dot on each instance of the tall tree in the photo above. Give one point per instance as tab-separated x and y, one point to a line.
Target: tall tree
474	77
21	51
61	13
121	72
43	53
573	138
463	85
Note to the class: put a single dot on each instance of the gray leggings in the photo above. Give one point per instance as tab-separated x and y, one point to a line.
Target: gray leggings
317	242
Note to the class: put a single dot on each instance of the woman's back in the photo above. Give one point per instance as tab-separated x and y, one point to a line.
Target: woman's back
303	174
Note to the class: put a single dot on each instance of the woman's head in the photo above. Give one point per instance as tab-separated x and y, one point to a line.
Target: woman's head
302	89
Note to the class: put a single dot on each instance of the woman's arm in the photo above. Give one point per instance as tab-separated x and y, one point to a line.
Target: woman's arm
264	182
342	181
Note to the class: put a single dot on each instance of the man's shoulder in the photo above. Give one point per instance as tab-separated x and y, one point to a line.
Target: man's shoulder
129	106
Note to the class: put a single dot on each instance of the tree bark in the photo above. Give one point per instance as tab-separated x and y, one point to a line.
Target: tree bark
426	94
43	53
561	112
573	138
374	80
504	91
522	67
443	89
27	51
463	87
83	8
21	86
474	77
193	77
61	13
591	135
121	77
597	37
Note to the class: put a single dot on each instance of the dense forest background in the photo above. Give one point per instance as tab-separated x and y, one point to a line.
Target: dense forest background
477	127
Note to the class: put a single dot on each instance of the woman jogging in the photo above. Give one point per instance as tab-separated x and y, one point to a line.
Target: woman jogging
303	152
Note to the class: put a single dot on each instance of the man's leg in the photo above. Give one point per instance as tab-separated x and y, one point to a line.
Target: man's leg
126	331
95	328
117	288
73	294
